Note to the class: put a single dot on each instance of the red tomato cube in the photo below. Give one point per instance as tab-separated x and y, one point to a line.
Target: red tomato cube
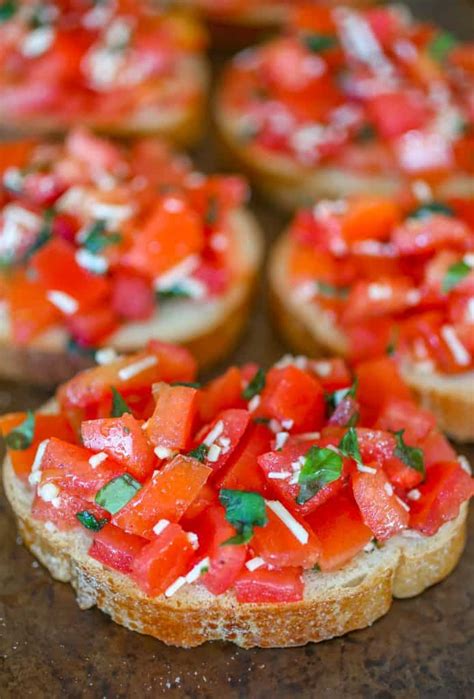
242	471
381	511
115	548
270	586
221	393
394	113
63	513
172	421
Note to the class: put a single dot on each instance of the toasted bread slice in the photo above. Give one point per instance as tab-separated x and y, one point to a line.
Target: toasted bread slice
291	185
309	330
334	603
209	328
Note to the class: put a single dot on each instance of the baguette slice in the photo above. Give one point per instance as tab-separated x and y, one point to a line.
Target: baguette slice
291	185
208	328
309	330
334	603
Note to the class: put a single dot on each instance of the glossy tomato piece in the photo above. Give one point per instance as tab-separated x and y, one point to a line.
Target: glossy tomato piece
91	327
369	338
394	113
369	218
398	414
206	496
446	487
15	153
378	447
293	394
242	471
171	424
64	510
132	297
279	546
115	548
223	392
379	379
226	561
167	495
333	374
161	561
436	448
340	529
270	586
30	311
123	439
384	296
381	511
46	426
427	234
224	433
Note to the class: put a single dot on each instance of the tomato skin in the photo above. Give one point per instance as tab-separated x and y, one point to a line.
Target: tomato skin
242	471
205	497
420	236
279	547
46	426
398	414
378	378
369	339
398	112
63	514
369	217
161	561
436	448
31	312
446	487
235	423
115	548
340	529
361	305
90	327
226	562
292	394
166	495
221	393
132	296
332	374
172	421
269	586
381	512
122	438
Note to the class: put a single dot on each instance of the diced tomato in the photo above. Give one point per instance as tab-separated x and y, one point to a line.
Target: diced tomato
381	511
292	394
321	233
464	153
221	393
369	218
42	188
132	296
422	235
156	247
97	152
172	421
446	487
122	438
427	327
230	426
269	586
15	153
206	496
226	561
379	447
278	546
405	415
68	467
167	495
50	263
370	338
394	113
377	379
340	530
384	22
160	562
242	471
333	374
306	264
30	311
46	426
436	448
115	548
384	296
63	512
90	327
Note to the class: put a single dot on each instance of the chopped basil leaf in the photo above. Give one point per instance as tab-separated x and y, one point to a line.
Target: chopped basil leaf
74	347
244	510
441	46
7	10
333	399
117	492
97	238
212	213
90	521
331	291
188	384
392	345
321	466
255	386
349	445
174	292
119	406
317	43
199	452
366	133
316	568
433	207
261	420
454	276
411	456
21	437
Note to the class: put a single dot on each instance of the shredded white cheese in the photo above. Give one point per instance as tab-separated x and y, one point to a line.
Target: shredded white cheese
388	488
97	459
414	494
163	452
254	563
193	539
35	475
254	403
365	469
457	349
403	504
279	475
464	463
128	372
214	433
197	570
160	526
214	453
106	355
288	520
38	41
177	273
174	587
66	303
48	492
97	264
281	439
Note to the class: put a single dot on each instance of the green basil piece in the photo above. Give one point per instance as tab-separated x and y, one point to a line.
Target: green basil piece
349	445
255	386
411	456
333	399
74	347
441	46
97	238
174	292
366	133
332	291
433	207
90	521
21	437
187	384
7	10
244	510
116	493
321	466
119	406
212	213
199	452
454	276
318	43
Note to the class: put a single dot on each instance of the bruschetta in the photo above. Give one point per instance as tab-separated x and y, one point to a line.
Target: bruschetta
364	276
349	101
107	246
122	68
267	508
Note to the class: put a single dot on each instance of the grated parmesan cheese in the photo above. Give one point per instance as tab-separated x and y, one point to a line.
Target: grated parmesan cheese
106	355
160	526
457	349
288	520
255	563
128	372
214	434
66	303
96	459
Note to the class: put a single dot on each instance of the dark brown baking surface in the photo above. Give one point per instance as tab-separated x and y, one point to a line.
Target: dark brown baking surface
48	648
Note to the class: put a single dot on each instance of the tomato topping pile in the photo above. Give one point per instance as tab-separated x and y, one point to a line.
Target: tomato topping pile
242	484
396	278
103	63
94	235
368	91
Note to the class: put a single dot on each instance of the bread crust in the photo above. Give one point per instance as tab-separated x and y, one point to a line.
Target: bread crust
334	603
208	328
308	330
291	185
